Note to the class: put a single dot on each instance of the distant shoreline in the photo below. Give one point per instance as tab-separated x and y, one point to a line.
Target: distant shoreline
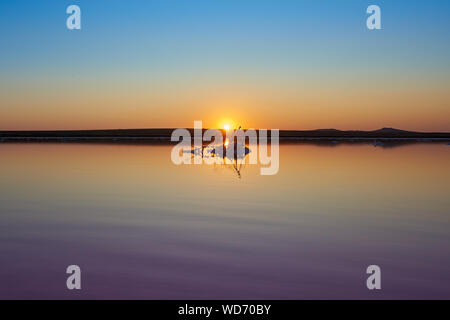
163	136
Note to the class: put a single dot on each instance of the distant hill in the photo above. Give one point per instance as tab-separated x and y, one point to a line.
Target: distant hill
390	131
165	134
383	133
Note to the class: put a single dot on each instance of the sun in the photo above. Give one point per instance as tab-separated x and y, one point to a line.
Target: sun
226	126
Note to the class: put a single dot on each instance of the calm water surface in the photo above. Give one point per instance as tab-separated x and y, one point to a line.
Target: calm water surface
141	227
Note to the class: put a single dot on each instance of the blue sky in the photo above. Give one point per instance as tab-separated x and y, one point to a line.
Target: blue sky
159	46
235	31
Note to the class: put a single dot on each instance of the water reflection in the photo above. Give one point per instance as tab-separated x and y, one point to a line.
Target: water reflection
141	227
228	154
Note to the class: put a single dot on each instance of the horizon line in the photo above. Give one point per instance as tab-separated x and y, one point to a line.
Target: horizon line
222	129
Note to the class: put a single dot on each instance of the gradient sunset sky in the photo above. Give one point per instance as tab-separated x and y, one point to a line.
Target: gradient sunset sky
262	64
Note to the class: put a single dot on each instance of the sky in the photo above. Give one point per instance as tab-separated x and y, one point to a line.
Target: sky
286	64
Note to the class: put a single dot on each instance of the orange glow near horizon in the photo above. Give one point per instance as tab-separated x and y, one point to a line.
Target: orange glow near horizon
292	107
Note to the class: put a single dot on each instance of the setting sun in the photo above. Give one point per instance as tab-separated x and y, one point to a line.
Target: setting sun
226	127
